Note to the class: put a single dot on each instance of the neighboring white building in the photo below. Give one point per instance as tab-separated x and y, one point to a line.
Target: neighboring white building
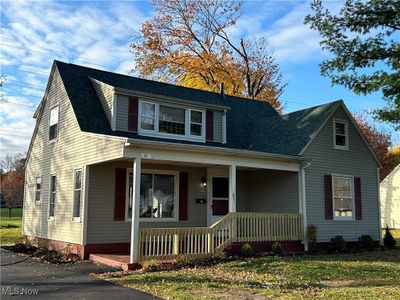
390	199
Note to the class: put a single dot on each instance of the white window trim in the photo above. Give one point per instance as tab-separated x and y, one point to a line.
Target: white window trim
58	123
203	123
176	191
156	133
336	218
41	183
76	219
52	218
346	128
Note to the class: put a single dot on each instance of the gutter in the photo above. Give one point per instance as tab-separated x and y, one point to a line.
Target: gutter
201	148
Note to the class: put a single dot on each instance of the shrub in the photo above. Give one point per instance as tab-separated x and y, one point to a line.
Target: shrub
42	244
388	239
366	242
27	242
246	250
311	236
277	248
337	243
188	259
150	265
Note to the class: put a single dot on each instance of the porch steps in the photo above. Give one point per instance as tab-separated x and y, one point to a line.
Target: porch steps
118	260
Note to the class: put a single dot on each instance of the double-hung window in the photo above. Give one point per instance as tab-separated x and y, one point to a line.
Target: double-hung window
343	196
158	195
52	200
171	121
148	116
340	138
196	122
53	123
38	189
76	214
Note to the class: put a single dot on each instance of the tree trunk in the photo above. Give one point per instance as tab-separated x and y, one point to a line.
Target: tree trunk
9	210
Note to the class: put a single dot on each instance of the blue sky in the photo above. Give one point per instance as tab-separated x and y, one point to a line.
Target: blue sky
98	33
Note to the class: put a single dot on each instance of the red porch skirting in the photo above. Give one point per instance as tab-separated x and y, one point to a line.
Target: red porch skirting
82	251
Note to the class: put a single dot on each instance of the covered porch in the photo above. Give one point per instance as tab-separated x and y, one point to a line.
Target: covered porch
210	206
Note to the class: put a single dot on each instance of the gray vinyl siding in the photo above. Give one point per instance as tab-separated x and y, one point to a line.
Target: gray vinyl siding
122	112
71	150
357	161
101	227
105	93
217	126
267	191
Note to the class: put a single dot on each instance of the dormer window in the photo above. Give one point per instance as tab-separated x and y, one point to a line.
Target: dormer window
147	116
171	121
196	122
340	135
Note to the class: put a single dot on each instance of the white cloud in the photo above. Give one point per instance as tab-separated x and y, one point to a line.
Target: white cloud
291	40
36	33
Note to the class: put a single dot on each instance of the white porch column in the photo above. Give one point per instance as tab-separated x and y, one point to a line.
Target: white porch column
232	188
134	254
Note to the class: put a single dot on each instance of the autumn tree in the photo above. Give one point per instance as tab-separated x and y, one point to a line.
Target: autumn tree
190	43
380	142
364	40
393	159
12	180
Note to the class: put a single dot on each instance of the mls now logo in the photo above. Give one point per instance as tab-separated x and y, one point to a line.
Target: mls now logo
11	291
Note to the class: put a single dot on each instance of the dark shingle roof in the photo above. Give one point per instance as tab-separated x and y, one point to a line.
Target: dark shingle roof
251	125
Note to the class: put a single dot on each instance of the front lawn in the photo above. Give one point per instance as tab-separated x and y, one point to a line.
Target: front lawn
364	275
10	228
396	235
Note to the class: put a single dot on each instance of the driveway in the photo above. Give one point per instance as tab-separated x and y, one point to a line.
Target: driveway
29	279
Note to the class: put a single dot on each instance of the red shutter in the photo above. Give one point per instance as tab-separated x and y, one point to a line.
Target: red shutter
133	114
357	197
120	194
328	197
209	125
183	195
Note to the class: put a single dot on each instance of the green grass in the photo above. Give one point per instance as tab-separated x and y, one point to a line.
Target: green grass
396	235
15	213
10	228
367	275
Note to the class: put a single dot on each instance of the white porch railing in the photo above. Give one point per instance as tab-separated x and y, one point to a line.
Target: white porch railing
234	227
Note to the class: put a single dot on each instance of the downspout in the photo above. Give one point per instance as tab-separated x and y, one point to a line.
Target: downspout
379	203
85	206
304	201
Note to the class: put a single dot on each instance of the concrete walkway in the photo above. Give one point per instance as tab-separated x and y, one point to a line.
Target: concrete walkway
29	279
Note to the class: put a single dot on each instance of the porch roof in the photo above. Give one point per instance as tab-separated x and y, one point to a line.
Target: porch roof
251	125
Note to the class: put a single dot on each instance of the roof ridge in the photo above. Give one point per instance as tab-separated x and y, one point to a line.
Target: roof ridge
313	107
160	82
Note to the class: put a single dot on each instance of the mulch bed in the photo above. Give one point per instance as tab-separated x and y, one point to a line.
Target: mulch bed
49	256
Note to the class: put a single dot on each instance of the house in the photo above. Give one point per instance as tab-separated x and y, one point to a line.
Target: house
119	164
390	199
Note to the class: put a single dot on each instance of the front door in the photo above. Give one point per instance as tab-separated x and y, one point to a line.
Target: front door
219	198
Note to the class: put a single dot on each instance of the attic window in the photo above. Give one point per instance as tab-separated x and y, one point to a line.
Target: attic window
340	135
171	121
53	123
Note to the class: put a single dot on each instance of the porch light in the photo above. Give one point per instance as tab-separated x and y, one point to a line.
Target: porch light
204	181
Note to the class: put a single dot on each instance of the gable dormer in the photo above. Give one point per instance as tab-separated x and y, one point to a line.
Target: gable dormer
165	118
105	93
